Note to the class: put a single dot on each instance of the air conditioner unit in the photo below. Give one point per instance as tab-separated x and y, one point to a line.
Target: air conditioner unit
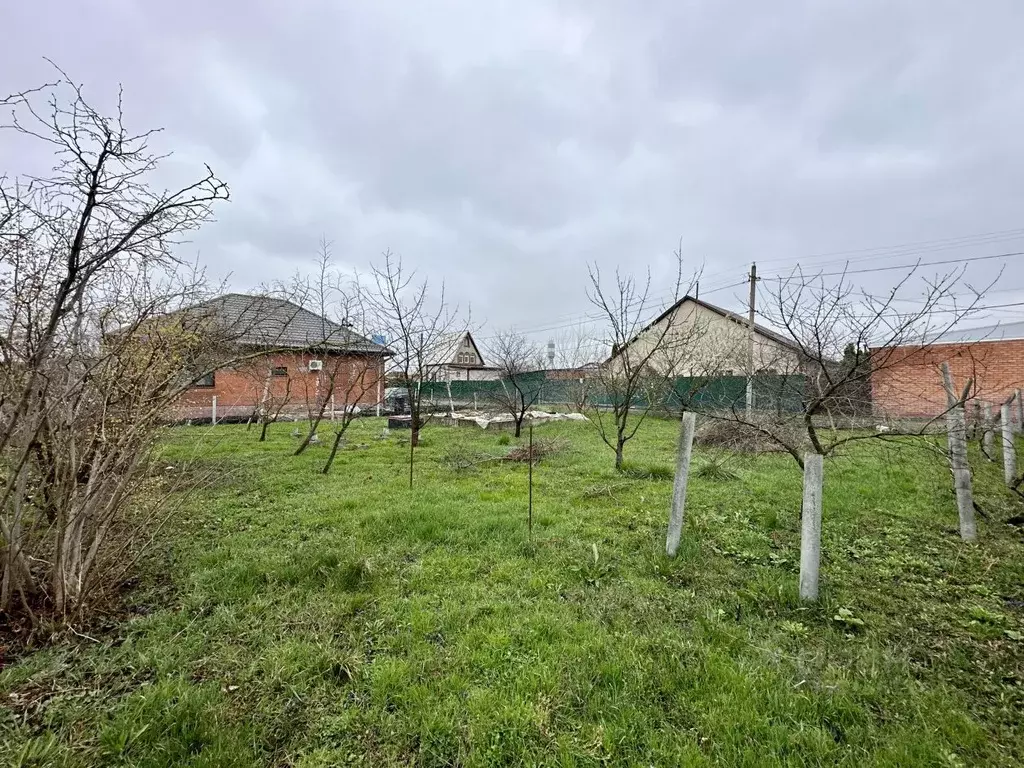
316	365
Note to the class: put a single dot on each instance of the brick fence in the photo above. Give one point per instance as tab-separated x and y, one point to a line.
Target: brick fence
907	382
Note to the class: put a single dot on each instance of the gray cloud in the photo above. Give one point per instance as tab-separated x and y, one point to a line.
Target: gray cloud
502	145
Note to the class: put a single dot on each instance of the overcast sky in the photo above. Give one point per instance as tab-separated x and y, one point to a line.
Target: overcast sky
503	145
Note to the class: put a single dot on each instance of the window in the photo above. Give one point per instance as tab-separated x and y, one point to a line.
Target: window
204	381
279	370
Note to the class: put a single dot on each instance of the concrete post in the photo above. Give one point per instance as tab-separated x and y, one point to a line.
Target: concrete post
810	526
213	411
956	437
1009	451
988	437
675	520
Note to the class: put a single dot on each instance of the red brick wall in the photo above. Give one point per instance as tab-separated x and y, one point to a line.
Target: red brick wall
239	388
906	381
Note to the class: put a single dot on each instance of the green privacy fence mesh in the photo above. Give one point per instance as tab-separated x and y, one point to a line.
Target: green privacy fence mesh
771	392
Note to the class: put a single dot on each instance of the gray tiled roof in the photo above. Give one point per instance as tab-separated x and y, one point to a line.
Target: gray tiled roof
263	321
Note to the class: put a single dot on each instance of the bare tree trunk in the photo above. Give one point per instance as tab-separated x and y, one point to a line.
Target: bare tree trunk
988	434
334	452
810	526
678	515
618	453
263	431
315	423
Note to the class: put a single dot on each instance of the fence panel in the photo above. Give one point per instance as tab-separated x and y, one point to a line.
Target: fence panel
771	392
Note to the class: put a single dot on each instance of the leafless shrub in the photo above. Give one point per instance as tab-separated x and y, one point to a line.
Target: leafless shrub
90	359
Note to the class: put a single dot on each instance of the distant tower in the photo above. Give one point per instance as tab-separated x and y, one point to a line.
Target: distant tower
551	354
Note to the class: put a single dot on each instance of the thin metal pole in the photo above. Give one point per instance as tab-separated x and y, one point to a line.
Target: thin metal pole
530	471
750	341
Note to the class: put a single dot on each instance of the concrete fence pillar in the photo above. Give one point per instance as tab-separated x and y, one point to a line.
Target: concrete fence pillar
810	526
676	517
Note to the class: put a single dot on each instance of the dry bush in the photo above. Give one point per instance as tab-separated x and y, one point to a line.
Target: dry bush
759	437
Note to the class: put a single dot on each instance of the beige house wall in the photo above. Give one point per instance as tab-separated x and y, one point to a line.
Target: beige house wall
697	341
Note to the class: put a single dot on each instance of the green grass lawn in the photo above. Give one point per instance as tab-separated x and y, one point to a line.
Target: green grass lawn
297	619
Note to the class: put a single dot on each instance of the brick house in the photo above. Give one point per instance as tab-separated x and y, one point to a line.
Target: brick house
291	355
906	381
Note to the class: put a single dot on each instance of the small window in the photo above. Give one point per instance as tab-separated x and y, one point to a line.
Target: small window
206	380
279	370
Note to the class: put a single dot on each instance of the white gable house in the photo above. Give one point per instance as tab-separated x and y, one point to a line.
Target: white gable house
456	357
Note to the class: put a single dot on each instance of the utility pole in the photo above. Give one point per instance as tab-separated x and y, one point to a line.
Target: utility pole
750	342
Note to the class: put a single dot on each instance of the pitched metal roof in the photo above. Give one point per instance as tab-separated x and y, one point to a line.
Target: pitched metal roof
445	348
264	321
760	330
998	332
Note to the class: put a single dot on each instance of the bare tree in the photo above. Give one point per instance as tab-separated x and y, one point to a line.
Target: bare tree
577	354
835	341
88	367
416	326
275	385
351	367
520	365
359	381
646	358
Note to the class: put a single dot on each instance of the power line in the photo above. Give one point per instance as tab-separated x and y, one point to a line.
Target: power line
907	266
869	254
961	241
